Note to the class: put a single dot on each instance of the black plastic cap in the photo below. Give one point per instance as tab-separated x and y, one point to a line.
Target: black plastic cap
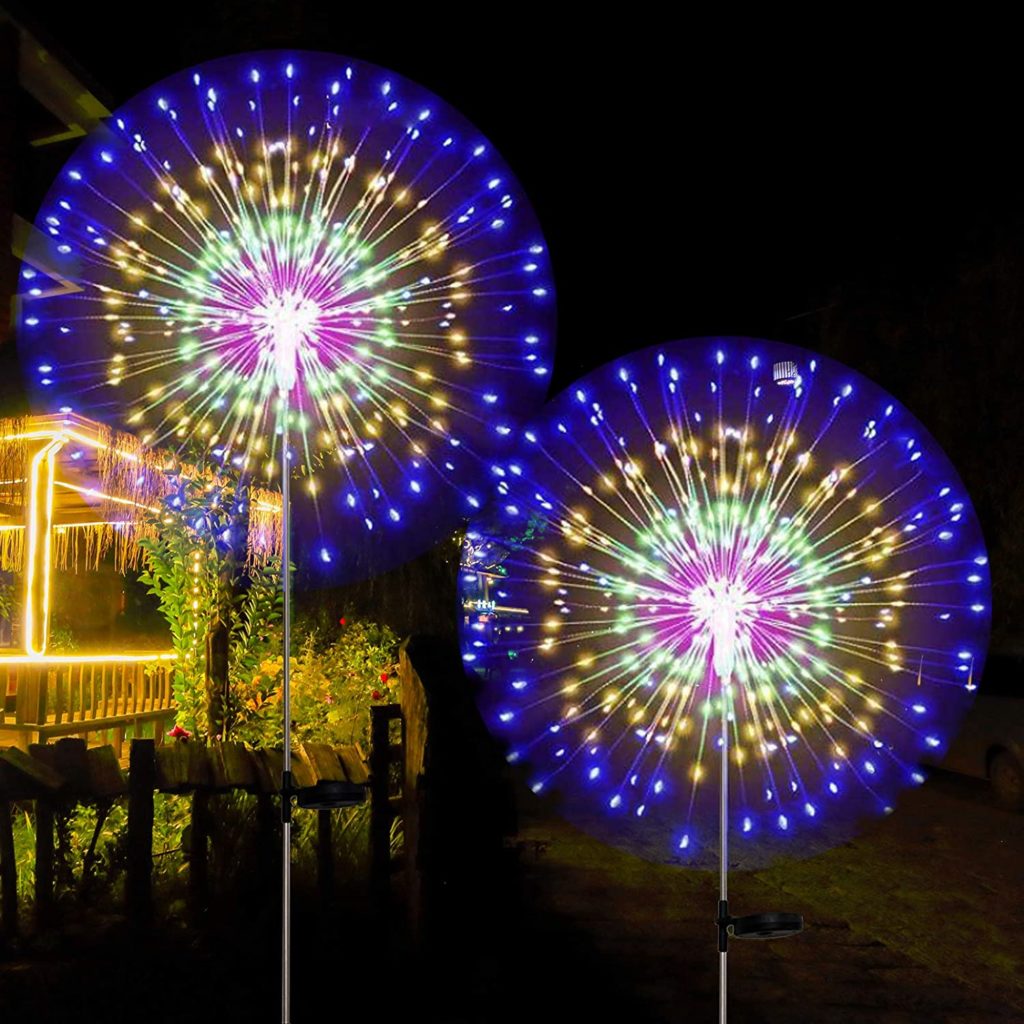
328	795
773	925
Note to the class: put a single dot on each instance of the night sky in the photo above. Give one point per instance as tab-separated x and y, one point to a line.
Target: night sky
862	195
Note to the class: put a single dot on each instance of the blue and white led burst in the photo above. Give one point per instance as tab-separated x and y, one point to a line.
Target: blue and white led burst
304	222
725	509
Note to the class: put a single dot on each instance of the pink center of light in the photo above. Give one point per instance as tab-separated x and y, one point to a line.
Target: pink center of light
285	324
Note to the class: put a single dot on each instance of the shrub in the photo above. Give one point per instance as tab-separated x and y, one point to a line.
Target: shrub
333	686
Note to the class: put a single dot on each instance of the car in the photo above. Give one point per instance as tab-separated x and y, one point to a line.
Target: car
990	742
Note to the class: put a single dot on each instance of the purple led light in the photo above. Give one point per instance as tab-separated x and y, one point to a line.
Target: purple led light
282	222
678	520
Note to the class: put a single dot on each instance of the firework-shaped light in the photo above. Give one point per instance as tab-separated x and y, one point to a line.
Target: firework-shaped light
691	532
307	238
298	262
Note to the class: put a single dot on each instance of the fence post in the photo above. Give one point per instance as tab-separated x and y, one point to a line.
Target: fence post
8	873
380	808
268	841
198	877
139	877
44	860
325	860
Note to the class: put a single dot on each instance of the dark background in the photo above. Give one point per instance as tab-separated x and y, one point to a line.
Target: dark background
854	188
851	185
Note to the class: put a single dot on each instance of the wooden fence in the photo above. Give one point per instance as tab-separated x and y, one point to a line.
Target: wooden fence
49	698
68	772
432	768
435	768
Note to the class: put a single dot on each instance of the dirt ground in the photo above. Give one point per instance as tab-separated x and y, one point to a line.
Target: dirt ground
916	920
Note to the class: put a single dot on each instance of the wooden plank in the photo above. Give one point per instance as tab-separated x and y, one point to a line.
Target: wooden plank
302	774
355	767
92	726
28	706
106	780
268	765
33	773
232	767
139	867
45	754
69	759
104	693
58	684
21	697
81	693
172	768
322	762
55	685
92	692
182	766
14	785
40	706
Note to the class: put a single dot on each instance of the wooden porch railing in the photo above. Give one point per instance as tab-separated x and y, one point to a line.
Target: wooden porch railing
49	697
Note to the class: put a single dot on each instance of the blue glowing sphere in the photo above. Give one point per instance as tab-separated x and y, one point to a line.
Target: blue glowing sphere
725	525
303	224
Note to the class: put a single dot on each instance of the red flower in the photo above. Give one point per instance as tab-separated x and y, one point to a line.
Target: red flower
376	695
383	677
177	733
341	621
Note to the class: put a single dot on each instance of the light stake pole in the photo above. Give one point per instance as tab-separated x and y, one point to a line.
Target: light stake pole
286	698
723	868
724	602
291	327
722	619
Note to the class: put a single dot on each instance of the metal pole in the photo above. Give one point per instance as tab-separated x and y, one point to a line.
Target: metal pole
723	835
286	700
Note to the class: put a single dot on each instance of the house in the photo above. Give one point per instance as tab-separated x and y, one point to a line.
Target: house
75	495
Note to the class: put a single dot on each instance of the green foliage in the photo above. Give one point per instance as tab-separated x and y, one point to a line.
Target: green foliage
254	631
62	639
195	567
24	849
334	682
8	599
234	841
74	871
